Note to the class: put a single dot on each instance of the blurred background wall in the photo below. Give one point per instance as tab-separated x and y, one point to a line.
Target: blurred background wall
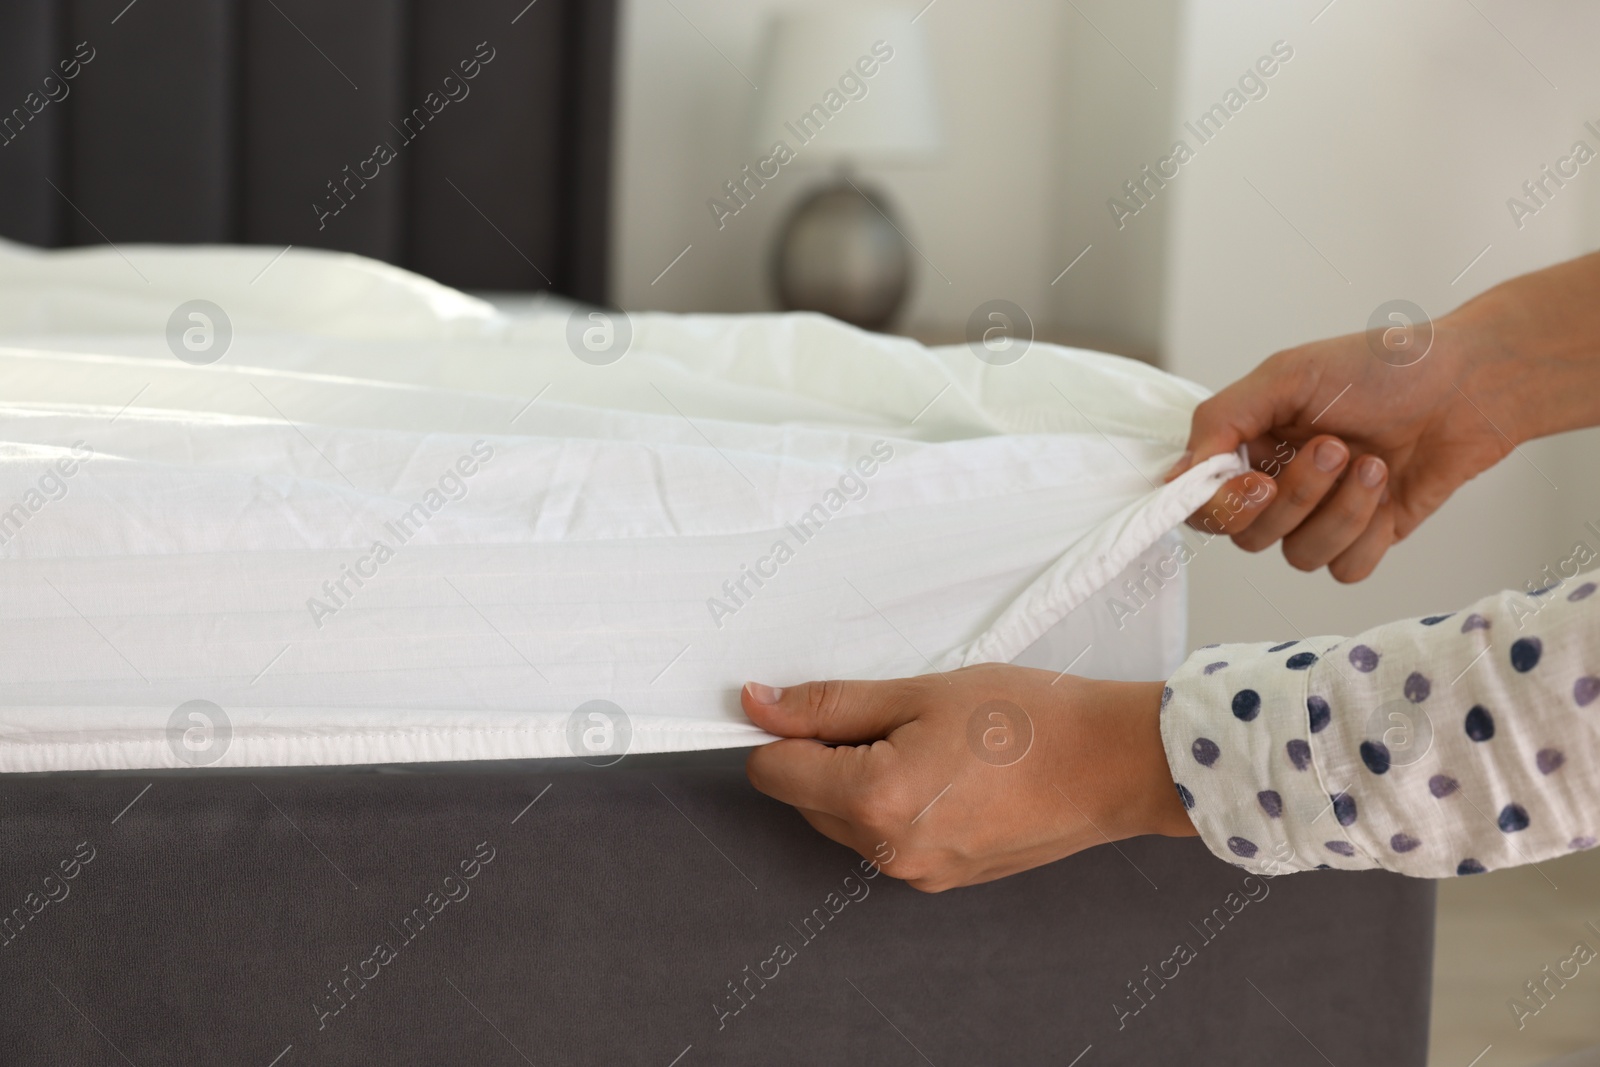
1387	150
1041	115
1381	159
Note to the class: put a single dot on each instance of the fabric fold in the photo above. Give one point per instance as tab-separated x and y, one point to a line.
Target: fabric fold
390	523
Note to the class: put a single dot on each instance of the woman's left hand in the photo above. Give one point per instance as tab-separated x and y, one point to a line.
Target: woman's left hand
953	779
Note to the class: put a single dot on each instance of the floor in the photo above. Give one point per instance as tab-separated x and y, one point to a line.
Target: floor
1496	932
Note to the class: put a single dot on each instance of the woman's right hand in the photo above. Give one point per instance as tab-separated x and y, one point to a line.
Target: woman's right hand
1360	450
1359	438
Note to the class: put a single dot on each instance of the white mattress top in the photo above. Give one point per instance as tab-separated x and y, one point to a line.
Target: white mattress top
368	519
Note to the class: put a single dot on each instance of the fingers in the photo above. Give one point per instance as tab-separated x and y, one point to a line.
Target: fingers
1342	522
831	711
1268	396
1302	484
1363	556
814	776
868	846
1235	505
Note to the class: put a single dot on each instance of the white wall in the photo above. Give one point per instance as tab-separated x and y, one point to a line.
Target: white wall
1114	121
1042	116
1391	142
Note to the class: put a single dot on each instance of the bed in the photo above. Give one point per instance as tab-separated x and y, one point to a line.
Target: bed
295	899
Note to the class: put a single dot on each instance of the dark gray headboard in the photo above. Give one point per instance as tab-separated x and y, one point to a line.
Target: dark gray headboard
226	120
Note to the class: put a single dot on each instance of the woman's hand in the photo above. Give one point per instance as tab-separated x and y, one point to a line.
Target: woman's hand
1366	435
1361	450
968	776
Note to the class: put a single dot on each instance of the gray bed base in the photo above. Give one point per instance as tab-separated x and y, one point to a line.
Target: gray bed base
549	912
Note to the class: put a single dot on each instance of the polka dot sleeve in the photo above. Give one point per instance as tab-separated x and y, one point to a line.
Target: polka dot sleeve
1451	744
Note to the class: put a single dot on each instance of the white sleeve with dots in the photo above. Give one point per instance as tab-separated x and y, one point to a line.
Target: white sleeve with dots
1452	744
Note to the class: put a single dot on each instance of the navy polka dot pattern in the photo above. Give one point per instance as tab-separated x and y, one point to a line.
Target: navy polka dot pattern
1513	818
1479	723
1271	803
1375	754
1166	695
1246	705
1510	687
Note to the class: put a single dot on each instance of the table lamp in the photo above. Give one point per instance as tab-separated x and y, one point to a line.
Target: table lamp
842	87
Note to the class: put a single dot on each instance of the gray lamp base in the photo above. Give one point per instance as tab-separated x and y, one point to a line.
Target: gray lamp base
839	254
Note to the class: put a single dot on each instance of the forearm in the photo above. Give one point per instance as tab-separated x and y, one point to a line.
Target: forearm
1530	349
1437	746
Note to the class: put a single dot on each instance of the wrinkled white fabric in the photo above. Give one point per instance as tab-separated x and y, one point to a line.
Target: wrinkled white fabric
553	532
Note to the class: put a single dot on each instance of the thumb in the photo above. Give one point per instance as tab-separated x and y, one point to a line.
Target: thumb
1242	412
850	712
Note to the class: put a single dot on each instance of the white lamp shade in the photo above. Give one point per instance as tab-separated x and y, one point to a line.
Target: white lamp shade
848	83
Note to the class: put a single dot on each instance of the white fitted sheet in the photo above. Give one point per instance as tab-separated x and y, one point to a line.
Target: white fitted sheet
212	508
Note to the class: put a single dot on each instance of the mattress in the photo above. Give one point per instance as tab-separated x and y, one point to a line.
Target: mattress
264	508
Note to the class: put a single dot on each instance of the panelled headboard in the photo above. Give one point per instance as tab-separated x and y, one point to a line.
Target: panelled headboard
468	140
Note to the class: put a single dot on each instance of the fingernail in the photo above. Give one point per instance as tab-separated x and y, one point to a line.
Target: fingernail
763	694
1180	466
1371	471
1329	455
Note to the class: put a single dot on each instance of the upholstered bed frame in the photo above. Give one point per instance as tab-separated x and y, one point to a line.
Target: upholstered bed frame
548	912
232	121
